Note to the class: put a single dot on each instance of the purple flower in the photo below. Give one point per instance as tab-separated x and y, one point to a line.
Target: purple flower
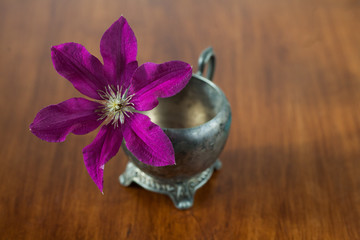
122	90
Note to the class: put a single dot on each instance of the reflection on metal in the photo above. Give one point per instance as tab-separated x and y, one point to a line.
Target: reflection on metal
197	121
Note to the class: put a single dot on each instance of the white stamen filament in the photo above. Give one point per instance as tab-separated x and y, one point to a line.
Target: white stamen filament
115	105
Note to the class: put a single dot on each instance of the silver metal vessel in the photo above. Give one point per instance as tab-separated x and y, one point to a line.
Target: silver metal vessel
197	121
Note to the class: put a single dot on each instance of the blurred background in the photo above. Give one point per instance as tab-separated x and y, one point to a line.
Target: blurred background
291	72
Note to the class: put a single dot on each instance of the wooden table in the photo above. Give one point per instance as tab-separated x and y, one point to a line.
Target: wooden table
291	166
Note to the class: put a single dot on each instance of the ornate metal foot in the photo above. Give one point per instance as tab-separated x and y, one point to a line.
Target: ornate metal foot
181	193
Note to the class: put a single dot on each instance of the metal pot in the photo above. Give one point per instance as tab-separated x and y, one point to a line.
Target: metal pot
197	121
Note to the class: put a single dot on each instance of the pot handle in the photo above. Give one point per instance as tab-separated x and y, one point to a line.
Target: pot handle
207	57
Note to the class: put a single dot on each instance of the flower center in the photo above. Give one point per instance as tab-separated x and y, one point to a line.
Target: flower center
116	105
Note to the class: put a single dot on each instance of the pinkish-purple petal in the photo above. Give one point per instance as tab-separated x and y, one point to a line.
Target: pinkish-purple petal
151	81
77	115
118	48
147	141
83	70
100	151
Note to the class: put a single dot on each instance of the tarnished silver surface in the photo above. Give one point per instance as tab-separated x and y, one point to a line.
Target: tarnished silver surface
181	192
197	121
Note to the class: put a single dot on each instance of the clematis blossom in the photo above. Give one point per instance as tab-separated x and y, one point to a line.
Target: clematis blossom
120	90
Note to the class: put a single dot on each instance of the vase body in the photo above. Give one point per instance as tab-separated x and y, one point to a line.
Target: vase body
197	121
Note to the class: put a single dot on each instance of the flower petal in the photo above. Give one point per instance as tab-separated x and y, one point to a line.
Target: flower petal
77	115
100	151
118	48
83	70
147	141
151	81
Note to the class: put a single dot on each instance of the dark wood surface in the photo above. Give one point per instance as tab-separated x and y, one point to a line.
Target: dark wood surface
291	166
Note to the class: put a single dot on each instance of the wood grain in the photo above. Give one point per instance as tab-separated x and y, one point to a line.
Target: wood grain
291	167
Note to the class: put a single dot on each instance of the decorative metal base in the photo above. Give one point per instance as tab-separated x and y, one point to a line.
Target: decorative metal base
181	193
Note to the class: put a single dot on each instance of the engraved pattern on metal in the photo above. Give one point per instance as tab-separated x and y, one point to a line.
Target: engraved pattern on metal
181	192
